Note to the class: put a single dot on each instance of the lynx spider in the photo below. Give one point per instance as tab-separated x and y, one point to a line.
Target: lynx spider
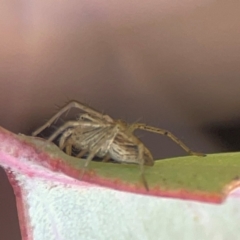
100	135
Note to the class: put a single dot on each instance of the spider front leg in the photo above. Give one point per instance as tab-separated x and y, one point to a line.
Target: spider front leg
165	133
72	104
72	124
67	129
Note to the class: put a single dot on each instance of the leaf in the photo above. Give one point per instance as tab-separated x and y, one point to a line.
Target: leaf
207	178
52	204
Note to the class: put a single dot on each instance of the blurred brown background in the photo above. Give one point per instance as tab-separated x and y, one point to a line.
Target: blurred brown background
171	64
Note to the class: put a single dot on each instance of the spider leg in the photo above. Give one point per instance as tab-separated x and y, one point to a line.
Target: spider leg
106	158
109	136
141	164
69	150
82	153
72	104
165	133
72	124
64	142
86	116
63	139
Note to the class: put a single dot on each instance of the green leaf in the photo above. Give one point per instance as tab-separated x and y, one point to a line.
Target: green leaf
207	178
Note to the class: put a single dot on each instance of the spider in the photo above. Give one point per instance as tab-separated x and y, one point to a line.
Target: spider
102	136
